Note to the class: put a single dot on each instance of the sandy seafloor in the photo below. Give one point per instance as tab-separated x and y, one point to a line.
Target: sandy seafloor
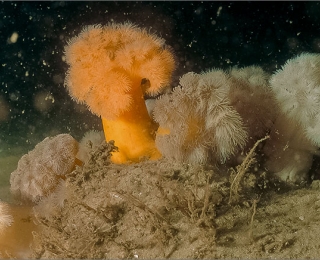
283	224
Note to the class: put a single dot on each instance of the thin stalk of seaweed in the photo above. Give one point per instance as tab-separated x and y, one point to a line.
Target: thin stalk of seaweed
241	170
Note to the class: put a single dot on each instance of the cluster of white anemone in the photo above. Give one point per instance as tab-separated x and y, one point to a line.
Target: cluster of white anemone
211	116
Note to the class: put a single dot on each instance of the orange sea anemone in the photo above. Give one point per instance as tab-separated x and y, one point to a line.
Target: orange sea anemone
111	68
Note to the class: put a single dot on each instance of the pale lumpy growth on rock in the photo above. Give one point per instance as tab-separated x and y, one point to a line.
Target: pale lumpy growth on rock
40	170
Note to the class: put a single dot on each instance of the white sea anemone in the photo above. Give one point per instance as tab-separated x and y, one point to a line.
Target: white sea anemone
5	218
197	123
40	171
295	135
297	88
252	97
90	141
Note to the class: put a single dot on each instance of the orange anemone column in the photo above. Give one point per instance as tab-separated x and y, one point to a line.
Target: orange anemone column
133	132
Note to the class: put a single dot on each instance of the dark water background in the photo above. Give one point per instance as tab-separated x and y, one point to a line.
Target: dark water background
204	35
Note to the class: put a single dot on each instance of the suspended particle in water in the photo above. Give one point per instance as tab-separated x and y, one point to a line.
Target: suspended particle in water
13	38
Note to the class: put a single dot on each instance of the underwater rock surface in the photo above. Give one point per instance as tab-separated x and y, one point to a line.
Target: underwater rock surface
156	209
148	210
